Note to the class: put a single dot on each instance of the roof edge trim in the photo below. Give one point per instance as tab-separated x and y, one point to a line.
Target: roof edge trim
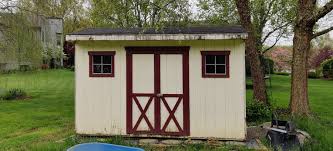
136	37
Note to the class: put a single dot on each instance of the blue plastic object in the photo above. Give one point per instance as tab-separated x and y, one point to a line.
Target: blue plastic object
102	147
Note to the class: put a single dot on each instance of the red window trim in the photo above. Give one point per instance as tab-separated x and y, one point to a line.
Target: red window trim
91	53
203	64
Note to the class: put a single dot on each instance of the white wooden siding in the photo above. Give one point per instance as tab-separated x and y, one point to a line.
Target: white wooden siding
217	105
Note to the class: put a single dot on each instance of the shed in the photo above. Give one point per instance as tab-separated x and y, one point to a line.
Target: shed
172	82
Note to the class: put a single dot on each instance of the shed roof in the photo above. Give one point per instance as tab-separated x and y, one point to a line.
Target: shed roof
167	30
168	33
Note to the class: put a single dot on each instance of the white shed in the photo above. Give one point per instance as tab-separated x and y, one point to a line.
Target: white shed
172	82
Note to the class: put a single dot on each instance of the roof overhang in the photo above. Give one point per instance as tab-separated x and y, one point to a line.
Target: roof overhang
152	37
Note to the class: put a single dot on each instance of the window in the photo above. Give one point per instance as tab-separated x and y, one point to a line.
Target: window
101	63
215	64
59	39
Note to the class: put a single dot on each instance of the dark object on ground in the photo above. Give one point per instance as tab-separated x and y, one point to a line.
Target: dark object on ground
102	147
282	135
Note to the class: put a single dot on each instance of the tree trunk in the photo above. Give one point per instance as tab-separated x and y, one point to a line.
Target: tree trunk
257	73
299	102
307	16
251	48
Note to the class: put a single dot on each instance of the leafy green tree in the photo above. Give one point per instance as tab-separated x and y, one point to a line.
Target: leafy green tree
73	12
19	42
143	13
308	13
262	19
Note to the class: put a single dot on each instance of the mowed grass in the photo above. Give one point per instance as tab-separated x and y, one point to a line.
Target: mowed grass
36	123
320	126
40	122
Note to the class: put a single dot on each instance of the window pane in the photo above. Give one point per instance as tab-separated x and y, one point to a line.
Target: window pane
106	68
220	69
97	69
210	59
59	37
97	59
220	59
210	69
106	59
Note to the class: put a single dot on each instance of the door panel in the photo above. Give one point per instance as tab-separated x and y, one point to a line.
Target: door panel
143	92
143	123
143	73
171	73
157	90
171	67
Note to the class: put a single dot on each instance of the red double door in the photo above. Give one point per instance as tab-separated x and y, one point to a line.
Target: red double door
157	90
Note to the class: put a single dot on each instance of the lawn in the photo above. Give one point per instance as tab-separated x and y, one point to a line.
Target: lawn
46	121
320	126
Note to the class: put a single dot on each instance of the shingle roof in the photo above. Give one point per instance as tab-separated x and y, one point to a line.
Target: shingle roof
168	30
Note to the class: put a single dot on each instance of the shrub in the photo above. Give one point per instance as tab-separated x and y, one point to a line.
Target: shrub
322	55
257	112
327	68
282	73
313	75
282	57
14	94
44	66
72	68
268	65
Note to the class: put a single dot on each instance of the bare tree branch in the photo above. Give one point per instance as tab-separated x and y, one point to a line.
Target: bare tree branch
274	30
322	32
322	11
276	40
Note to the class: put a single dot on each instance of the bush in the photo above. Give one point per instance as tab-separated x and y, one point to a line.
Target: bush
313	75
257	112
282	73
14	94
327	68
268	65
44	66
72	68
322	55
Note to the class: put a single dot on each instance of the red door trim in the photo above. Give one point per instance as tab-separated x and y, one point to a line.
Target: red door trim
157	85
184	50
129	69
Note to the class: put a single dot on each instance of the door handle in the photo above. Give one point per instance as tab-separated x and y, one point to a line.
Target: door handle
159	95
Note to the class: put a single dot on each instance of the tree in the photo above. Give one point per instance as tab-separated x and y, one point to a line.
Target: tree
143	13
19	43
73	12
262	19
307	16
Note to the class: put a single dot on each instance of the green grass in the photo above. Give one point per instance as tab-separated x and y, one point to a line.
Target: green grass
38	123
43	119
320	126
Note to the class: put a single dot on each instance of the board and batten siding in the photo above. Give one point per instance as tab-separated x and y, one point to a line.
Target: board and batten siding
217	105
